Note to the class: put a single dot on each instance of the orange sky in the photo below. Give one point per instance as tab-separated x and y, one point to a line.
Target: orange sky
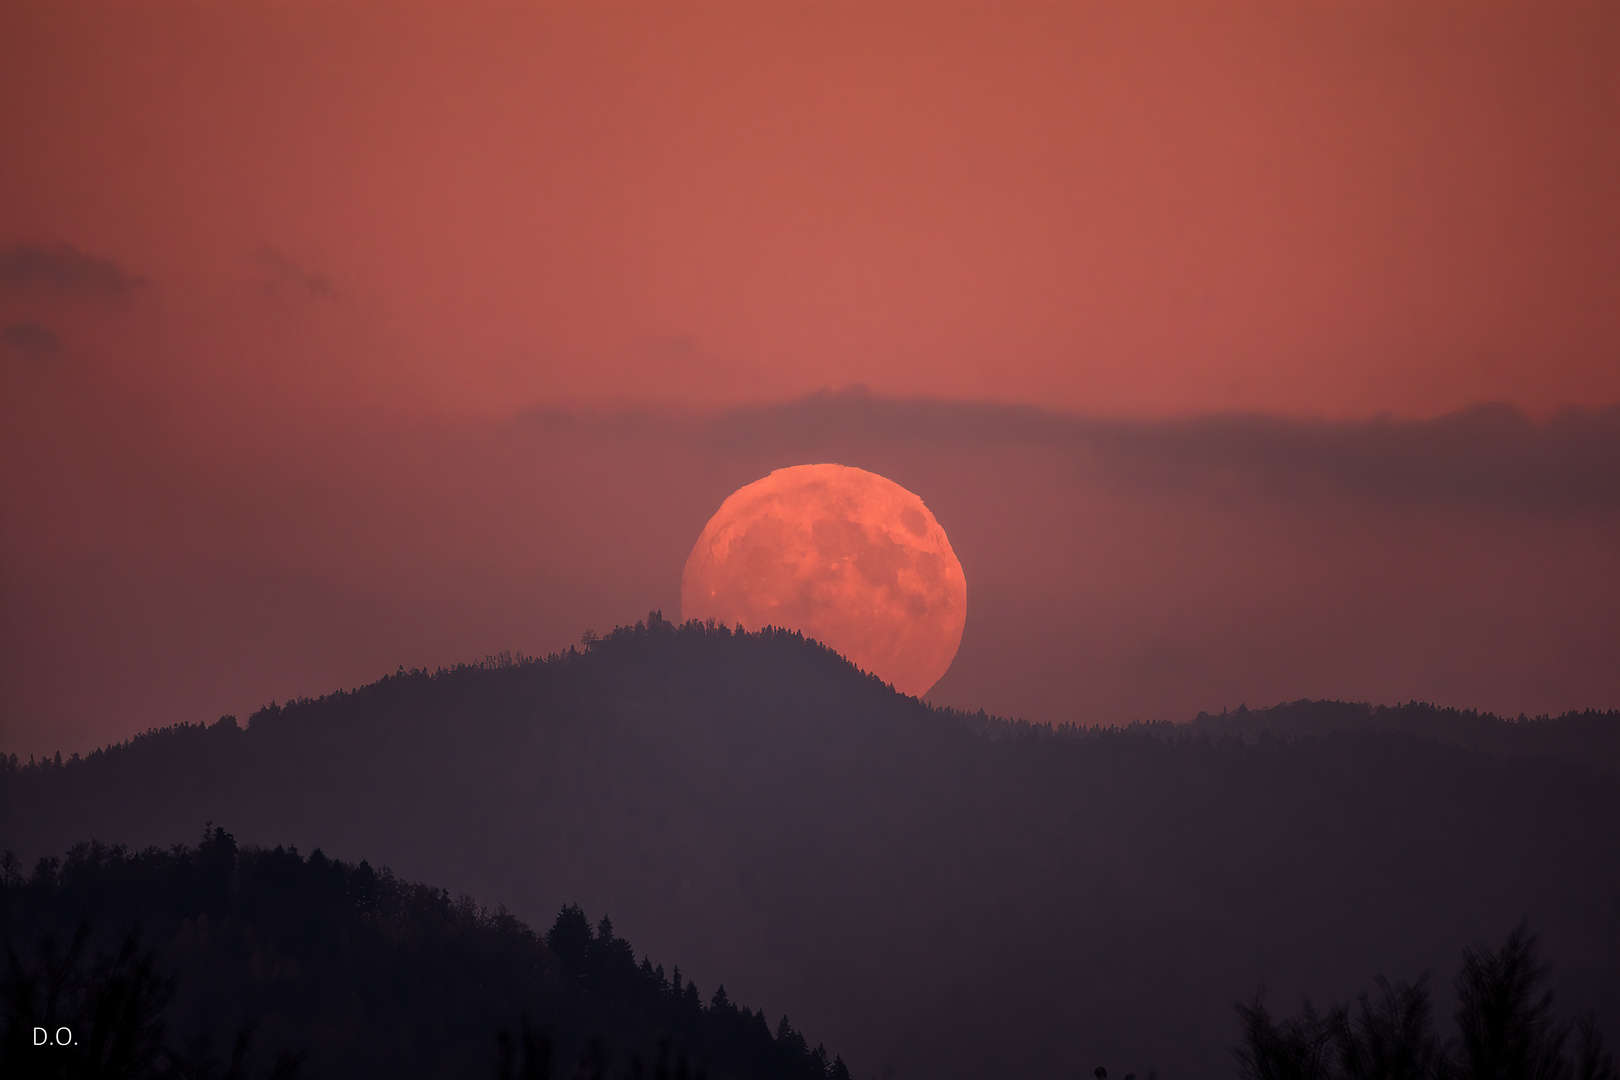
1333	210
335	336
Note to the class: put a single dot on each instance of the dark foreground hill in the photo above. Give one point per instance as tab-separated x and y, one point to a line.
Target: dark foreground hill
931	893
180	963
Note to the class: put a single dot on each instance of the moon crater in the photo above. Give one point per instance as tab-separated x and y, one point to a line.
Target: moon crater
844	555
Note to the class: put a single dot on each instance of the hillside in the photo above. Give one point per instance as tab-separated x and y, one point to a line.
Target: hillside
931	893
175	961
1588	739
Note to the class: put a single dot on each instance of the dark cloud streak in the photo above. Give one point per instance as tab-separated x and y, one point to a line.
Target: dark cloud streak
1491	457
65	270
32	340
283	274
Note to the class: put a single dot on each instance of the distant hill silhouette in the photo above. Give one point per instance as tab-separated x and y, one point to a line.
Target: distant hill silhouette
1588	739
933	893
178	963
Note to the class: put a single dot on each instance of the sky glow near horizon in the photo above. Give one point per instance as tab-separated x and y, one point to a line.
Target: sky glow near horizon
338	337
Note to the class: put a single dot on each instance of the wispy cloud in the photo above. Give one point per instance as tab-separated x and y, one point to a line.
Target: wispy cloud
1490	456
32	340
63	269
285	275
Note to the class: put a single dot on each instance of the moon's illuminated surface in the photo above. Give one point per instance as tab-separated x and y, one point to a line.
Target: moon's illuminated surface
844	555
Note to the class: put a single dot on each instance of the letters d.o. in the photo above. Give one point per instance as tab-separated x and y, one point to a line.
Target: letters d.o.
64	1037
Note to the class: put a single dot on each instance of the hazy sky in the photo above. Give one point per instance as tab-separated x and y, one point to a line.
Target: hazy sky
334	337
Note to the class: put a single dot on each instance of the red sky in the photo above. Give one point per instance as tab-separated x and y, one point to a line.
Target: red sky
262	416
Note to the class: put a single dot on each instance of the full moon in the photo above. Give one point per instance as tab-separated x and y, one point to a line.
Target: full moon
846	556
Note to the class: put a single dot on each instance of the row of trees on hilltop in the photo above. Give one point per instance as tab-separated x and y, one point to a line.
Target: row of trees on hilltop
604	966
210	960
1588	738
1507	1029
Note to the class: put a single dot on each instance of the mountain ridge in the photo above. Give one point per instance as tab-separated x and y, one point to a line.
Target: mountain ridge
929	899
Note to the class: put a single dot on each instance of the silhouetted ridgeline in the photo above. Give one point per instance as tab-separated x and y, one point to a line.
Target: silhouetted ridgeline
1589	739
174	960
932	893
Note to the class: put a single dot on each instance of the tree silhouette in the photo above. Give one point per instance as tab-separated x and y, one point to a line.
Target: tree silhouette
1302	1047
376	976
831	827
112	1003
1507	1027
1391	1039
1506	1023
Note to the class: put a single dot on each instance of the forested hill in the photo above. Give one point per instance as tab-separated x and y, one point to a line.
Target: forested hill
189	961
931	893
1588	739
